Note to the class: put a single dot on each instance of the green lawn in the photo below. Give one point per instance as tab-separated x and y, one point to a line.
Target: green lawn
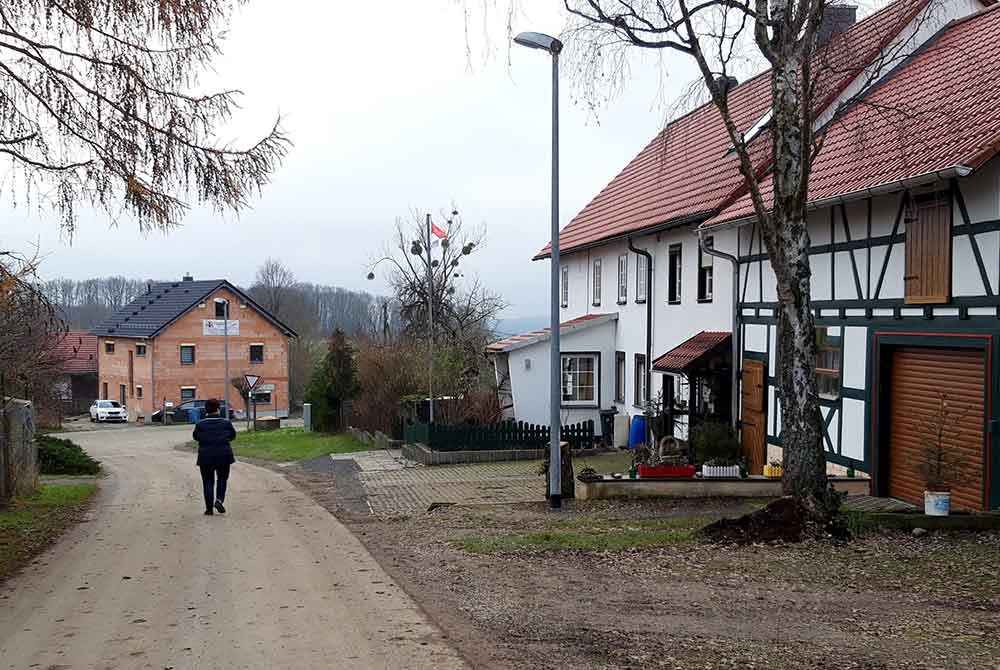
615	461
293	444
28	525
590	535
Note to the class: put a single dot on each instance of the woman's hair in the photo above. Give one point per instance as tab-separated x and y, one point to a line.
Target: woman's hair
211	406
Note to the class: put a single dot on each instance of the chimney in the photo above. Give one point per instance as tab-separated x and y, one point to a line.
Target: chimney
836	19
187	278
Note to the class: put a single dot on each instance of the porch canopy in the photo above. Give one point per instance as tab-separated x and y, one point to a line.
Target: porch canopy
694	354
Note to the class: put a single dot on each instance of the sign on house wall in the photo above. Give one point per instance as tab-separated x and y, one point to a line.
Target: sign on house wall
218	327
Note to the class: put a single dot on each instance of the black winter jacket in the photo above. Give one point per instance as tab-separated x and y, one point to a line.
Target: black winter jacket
213	435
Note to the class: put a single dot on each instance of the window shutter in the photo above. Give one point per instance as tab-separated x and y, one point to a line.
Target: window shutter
927	275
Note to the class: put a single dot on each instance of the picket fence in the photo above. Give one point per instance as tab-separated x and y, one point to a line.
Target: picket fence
497	436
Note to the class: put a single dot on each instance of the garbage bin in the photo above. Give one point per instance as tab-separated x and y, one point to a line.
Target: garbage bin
637	435
196	414
608	425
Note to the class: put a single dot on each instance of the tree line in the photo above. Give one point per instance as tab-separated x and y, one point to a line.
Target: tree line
312	310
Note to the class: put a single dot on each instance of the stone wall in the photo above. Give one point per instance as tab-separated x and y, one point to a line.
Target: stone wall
18	454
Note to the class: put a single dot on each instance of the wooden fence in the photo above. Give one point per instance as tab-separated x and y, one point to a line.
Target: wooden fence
497	436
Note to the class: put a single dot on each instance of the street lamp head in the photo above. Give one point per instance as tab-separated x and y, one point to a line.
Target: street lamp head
539	41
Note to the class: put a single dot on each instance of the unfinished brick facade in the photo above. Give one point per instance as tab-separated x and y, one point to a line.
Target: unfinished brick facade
146	372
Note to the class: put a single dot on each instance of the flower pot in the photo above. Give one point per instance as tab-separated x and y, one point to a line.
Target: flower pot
672	471
937	503
720	471
773	471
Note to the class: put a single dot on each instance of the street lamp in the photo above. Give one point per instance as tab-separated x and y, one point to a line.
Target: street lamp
554	47
225	349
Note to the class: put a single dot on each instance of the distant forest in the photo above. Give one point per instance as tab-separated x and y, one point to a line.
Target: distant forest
312	310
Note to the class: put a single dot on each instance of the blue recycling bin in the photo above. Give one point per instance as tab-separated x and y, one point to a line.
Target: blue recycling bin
196	414
637	432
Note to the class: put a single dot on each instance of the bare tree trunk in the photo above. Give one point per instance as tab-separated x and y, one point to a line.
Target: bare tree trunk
787	238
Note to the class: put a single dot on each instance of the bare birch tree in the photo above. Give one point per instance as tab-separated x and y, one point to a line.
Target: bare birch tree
101	103
785	34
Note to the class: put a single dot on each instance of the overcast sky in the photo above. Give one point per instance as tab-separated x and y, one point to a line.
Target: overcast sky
386	116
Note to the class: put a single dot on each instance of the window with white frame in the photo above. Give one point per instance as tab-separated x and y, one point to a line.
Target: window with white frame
619	376
829	361
705	272
674	274
580	379
641	271
188	393
564	286
597	282
140	349
623	279
641	392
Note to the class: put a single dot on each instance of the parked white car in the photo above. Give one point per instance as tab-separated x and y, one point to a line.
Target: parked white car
108	410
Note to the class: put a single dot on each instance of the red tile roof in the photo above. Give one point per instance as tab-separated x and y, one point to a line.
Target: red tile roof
518	341
940	110
685	355
687	172
78	349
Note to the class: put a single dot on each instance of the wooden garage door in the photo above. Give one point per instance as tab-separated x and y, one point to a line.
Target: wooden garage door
919	375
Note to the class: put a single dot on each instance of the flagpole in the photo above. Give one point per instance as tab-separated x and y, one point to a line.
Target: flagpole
430	326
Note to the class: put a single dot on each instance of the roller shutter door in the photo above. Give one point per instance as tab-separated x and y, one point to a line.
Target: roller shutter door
919	374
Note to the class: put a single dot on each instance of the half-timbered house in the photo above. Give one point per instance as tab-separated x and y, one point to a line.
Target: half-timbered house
905	255
630	257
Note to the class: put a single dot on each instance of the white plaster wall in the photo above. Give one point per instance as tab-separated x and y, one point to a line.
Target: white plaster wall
855	356
531	386
982	192
755	337
853	430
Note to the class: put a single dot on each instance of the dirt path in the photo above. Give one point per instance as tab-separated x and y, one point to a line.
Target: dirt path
152	583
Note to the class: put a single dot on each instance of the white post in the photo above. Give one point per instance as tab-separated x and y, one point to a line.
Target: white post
225	346
307	417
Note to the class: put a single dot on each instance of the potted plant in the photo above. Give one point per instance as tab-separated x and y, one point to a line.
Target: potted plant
939	463
668	459
717	448
773	470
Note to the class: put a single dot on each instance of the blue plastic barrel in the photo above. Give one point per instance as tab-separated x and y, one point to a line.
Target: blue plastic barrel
196	414
637	432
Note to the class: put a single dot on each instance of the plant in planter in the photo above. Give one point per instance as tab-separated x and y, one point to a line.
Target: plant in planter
652	409
718	450
667	459
773	469
939	463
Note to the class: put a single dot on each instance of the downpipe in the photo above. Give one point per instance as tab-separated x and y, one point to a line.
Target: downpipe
735	399
649	320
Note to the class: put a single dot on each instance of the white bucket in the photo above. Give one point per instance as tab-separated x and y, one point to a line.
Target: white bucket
937	503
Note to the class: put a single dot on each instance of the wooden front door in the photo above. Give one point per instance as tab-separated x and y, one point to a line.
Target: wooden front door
928	250
919	378
752	416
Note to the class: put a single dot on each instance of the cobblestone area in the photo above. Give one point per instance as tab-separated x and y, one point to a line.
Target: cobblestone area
404	490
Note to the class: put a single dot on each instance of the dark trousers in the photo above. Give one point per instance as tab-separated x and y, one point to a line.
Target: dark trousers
214	478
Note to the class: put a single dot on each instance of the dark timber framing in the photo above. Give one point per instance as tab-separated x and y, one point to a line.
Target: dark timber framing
889	322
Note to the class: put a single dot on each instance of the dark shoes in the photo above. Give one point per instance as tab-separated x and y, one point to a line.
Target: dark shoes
209	512
219	508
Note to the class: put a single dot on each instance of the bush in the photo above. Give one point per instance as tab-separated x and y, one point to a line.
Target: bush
715	443
62	457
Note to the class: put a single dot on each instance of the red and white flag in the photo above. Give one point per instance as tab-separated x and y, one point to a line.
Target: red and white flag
438	232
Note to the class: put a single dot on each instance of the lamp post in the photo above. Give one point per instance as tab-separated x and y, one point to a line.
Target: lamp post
225	354
553	47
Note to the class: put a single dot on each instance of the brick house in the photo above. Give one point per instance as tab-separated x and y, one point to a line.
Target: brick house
79	386
167	345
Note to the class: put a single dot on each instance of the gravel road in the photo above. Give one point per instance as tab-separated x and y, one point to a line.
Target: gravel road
149	582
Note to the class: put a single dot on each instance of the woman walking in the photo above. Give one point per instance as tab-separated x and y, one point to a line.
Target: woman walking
214	435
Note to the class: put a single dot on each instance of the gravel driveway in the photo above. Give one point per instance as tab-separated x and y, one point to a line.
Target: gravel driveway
150	582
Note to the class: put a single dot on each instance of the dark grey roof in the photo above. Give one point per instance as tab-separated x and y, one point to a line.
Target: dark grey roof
166	302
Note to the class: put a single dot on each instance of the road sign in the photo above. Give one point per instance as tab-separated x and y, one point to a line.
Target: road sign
251	380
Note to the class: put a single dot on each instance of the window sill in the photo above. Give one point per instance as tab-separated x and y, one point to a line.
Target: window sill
640	302
704	300
623	302
564	406
673	302
595	304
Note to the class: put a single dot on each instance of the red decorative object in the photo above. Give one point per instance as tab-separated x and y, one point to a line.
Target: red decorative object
667	471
